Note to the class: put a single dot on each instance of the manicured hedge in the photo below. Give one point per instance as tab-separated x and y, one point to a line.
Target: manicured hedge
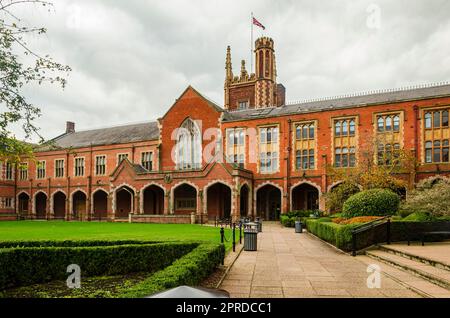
71	243
191	269
336	234
341	235
29	265
375	202
288	219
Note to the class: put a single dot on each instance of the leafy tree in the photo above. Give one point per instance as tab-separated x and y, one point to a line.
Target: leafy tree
336	198
373	171
429	197
21	66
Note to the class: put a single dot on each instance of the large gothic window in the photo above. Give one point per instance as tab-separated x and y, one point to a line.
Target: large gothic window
189	146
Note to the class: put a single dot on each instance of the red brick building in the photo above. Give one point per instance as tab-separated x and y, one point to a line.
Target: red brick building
257	156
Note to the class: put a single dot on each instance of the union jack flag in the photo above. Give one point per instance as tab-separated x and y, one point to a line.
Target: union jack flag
257	23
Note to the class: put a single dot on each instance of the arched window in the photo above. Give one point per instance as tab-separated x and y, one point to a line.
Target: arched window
345	128
189	146
380	124
389	123
311	131
428	123
352	127
397	123
337	131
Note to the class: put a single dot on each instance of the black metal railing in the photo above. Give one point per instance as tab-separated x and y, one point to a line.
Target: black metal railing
372	233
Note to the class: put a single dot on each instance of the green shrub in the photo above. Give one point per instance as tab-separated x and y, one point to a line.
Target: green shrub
430	197
191	269
304	213
336	198
420	217
287	221
375	202
70	243
29	265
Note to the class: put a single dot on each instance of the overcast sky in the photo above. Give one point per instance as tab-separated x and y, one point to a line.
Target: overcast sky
132	59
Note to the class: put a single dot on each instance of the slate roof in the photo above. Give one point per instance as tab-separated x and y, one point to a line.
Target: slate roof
106	136
353	101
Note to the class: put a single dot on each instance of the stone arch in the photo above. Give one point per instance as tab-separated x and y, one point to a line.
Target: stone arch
23	203
309	198
78	204
58	208
157	199
273	201
173	194
121	207
40	203
99	203
334	184
227	211
435	179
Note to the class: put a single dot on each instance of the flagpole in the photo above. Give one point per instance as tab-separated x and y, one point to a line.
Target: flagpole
251	46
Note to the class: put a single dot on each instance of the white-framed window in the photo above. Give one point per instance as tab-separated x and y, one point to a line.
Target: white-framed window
100	165
436	141
243	104
41	169
59	168
7	203
23	171
121	157
236	146
269	149
147	160
189	146
9	171
305	145
79	167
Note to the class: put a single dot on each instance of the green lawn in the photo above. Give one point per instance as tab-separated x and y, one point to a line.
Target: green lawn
59	230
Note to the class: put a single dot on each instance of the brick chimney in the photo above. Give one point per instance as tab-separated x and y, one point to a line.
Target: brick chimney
70	127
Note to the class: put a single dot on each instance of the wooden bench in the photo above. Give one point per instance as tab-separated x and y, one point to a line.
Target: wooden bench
426	234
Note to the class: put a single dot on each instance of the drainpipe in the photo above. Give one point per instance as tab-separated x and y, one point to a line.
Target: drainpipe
288	166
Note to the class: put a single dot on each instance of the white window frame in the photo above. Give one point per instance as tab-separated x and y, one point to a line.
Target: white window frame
23	169
64	168
45	169
75	167
106	165
151	159
127	154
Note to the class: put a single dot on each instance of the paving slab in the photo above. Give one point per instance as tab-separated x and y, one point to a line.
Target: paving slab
294	265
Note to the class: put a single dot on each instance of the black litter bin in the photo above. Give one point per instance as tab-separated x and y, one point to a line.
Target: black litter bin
298	227
250	239
259	224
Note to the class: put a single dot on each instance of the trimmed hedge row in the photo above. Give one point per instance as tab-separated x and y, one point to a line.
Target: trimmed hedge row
30	265
191	269
336	234
288	219
341	235
70	243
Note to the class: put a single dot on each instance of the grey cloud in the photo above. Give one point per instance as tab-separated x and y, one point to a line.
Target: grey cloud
131	59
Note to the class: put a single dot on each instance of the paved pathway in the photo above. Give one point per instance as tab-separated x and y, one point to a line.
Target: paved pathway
299	265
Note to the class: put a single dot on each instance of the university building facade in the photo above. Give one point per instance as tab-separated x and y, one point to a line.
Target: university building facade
255	156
